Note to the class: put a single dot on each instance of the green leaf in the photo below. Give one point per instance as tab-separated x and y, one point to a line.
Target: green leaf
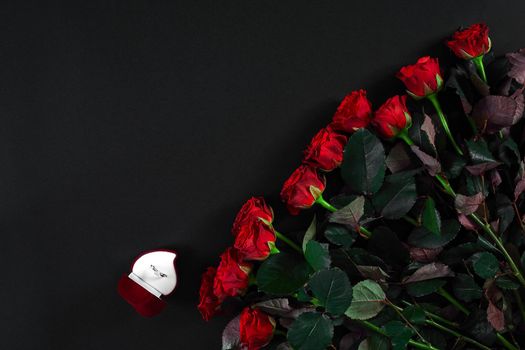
522	260
317	255
333	290
310	232
455	166
434	337
340	235
397	196
465	288
367	301
363	167
485	264
479	152
415	314
311	331
399	334
504	211
422	288
431	218
423	238
302	295
475	184
456	254
478	326
375	342
386	245
507	283
509	152
282	273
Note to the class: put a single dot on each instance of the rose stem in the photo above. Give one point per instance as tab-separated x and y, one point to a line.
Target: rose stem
457	304
252	280
478	62
320	200
488	229
403	135
433	315
279	332
518	216
520	304
505	342
378	330
453	301
410	220
456	334
435	102
287	241
399	310
434	324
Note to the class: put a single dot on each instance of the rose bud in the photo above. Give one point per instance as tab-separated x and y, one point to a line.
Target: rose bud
254	207
256	328
302	189
471	42
392	118
423	78
254	239
325	151
232	276
209	304
354	112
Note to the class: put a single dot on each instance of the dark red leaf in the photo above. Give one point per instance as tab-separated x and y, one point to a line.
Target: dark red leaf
428	272
424	255
517	63
430	163
468	204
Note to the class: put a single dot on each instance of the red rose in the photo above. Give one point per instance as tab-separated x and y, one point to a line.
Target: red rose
256	328
392	117
353	113
253	239
423	78
232	275
302	189
208	302
254	207
471	42
325	150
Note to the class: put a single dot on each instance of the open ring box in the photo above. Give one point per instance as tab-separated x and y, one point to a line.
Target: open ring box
153	276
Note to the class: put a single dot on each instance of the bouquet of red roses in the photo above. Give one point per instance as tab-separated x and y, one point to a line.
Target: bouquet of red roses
424	246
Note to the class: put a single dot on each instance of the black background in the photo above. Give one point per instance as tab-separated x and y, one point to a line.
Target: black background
136	125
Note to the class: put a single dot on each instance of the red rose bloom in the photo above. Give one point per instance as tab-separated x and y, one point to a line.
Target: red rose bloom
232	275
302	189
353	113
325	151
253	239
253	231
254	207
423	78
471	42
208	302
256	328
392	117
